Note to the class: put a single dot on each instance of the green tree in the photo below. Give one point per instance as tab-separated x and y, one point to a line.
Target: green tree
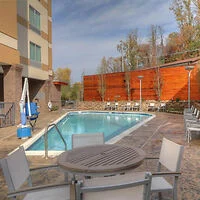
132	50
188	20
129	50
62	74
76	91
65	92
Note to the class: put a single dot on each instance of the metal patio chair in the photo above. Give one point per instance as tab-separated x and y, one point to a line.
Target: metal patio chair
191	127
192	124
80	140
120	187
16	172
170	157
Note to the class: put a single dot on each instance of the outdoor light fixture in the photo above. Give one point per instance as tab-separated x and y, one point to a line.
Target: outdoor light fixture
140	78
189	68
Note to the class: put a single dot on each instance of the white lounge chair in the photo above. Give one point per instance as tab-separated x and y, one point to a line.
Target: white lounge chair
192	118
170	157
162	107
80	140
115	106
16	172
119	187
127	106
151	107
107	106
136	106
190	115
189	110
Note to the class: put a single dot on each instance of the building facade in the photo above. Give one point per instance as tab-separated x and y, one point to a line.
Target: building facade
26	51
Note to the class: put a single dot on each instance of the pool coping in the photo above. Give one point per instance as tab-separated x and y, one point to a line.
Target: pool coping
111	141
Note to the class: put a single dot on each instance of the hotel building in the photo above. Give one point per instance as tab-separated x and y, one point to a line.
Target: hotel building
26	51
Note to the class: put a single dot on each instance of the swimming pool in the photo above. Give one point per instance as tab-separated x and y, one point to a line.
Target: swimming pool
110	123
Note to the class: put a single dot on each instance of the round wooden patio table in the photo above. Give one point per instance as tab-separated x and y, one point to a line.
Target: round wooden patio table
101	159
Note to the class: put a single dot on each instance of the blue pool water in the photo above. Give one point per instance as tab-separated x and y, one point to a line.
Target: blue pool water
111	124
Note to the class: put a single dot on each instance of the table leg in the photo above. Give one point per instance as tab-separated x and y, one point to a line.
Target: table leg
72	192
66	177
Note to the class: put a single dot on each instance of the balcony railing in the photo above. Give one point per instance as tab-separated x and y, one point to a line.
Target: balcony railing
7	114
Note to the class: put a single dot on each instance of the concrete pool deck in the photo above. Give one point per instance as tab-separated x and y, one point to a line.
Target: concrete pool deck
148	137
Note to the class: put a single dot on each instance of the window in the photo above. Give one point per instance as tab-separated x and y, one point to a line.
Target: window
35	52
34	18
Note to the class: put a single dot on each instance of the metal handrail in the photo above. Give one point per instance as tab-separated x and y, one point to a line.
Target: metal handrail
7	114
46	138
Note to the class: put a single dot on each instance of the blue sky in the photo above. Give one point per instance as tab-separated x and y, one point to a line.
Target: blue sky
86	30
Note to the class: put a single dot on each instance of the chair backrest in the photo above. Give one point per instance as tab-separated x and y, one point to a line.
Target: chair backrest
195	111
152	104
192	108
80	140
120	187
171	155
128	104
15	169
198	114
162	104
137	104
33	109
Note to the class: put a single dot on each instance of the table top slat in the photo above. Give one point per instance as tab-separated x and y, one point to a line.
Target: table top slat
101	158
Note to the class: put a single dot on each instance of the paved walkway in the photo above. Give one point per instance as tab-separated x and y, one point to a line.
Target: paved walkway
147	137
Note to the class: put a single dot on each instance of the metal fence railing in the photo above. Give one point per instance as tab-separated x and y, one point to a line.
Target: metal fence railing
7	114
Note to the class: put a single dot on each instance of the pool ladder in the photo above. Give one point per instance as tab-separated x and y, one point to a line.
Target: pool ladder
46	138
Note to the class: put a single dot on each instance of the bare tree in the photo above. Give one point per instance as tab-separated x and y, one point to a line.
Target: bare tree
102	86
158	82
101	78
121	48
153	45
128	83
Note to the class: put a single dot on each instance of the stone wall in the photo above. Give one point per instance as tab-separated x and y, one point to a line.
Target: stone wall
171	106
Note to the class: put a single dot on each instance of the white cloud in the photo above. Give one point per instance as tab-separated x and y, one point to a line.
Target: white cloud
86	30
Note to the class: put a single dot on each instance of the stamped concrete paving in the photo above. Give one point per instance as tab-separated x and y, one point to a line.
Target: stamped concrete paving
147	137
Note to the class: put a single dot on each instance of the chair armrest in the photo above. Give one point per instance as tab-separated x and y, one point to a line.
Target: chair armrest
166	174
190	125
151	158
35	189
191	120
45	167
